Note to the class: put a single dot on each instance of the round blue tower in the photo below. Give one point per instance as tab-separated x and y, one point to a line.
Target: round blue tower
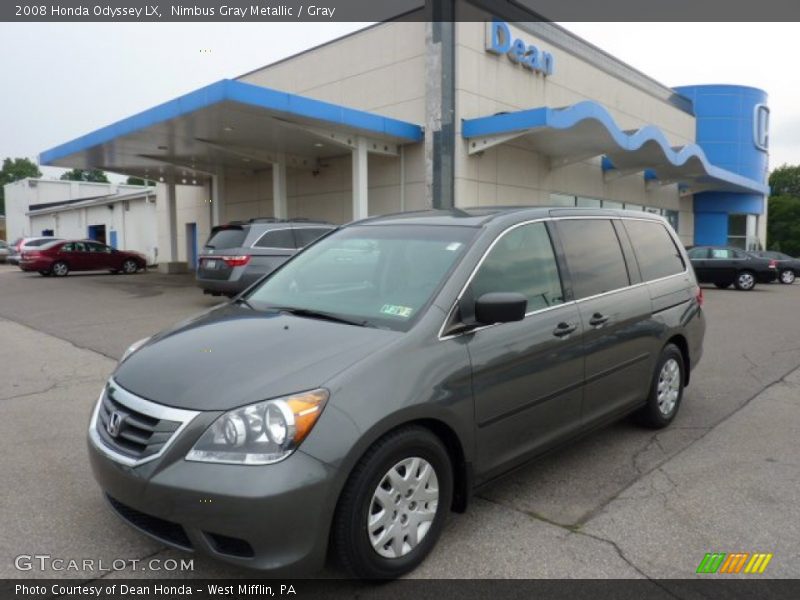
732	127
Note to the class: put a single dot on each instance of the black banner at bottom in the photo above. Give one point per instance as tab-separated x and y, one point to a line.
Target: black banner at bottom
712	587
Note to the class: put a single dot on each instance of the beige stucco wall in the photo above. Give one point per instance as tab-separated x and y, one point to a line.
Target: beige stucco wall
380	69
513	174
192	206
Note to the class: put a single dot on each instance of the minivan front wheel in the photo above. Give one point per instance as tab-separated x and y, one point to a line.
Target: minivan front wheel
394	505
666	390
745	281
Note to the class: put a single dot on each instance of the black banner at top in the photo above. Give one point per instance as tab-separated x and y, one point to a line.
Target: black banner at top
384	10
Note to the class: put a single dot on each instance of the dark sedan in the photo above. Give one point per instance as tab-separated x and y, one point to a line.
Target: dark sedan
725	266
788	266
61	257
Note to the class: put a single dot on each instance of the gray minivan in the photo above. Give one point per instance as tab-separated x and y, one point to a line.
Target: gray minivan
363	390
240	253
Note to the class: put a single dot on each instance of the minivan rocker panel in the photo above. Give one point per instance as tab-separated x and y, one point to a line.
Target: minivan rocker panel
409	327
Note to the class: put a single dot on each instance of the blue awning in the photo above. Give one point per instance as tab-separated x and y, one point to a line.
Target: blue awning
586	129
229	124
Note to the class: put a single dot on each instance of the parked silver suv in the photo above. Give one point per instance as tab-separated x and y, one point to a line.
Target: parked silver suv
238	254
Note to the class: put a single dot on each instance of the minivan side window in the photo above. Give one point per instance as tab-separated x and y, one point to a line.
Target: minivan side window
277	238
522	261
594	256
306	235
655	249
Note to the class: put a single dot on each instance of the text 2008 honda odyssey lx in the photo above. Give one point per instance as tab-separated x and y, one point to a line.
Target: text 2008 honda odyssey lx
363	389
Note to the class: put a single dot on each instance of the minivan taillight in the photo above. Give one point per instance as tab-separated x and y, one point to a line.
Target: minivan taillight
699	296
773	264
236	261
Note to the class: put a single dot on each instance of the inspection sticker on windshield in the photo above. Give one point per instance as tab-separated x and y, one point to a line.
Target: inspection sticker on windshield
397	311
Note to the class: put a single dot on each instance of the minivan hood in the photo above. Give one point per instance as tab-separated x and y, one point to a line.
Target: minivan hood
234	356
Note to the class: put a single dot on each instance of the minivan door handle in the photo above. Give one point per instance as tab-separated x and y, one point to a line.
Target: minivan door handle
564	329
597	319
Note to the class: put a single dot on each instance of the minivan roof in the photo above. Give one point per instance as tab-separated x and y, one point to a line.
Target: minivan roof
479	216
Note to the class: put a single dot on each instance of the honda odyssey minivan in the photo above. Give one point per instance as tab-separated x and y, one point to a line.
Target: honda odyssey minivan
350	400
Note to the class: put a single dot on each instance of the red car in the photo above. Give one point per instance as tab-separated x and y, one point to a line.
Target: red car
61	257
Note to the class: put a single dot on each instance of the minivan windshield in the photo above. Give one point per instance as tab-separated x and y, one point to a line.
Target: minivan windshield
378	275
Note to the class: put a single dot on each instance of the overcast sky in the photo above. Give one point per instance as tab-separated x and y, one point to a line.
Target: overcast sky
61	81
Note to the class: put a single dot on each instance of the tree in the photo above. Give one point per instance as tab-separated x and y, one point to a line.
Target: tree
14	170
139	181
783	226
785	181
96	175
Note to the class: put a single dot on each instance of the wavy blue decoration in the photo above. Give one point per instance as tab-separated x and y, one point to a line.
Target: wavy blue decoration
689	157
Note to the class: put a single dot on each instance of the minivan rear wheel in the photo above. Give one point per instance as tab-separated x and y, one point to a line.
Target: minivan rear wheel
787	276
666	390
394	505
745	281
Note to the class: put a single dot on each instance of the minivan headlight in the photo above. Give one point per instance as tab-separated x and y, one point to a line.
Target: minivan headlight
261	433
134	347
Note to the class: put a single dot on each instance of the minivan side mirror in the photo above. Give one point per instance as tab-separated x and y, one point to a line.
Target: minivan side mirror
500	307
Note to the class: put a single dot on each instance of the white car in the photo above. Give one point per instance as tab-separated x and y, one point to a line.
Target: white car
22	244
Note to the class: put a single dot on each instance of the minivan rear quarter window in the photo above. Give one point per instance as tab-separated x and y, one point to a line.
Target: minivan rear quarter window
655	249
277	238
594	256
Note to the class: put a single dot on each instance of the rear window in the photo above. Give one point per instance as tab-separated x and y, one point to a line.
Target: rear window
276	238
594	256
656	252
227	237
41	242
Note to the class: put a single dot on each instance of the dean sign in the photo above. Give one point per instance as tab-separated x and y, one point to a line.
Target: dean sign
500	41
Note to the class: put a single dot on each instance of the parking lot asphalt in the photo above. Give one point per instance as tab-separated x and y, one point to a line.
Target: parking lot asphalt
622	502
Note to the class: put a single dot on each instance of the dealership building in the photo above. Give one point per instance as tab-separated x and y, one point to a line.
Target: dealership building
408	115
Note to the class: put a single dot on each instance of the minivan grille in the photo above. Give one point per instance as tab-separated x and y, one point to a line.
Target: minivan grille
136	435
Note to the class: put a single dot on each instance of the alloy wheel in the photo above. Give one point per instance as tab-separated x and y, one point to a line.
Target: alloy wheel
129	267
787	276
403	507
746	281
669	386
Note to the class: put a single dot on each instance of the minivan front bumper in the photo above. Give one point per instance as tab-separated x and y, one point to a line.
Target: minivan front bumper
274	517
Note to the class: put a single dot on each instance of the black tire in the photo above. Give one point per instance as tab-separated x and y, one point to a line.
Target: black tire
723	286
745	281
129	266
59	269
653	414
351	538
786	277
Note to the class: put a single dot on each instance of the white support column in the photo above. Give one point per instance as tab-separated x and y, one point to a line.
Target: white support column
168	261
280	205
217	197
360	201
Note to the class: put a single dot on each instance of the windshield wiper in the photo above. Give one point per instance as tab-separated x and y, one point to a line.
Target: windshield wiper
318	314
243	300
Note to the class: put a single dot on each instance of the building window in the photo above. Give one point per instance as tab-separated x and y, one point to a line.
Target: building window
562	200
612	204
629	206
743	231
589	202
672	217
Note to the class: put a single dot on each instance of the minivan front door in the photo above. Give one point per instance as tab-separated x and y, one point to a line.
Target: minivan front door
527	376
